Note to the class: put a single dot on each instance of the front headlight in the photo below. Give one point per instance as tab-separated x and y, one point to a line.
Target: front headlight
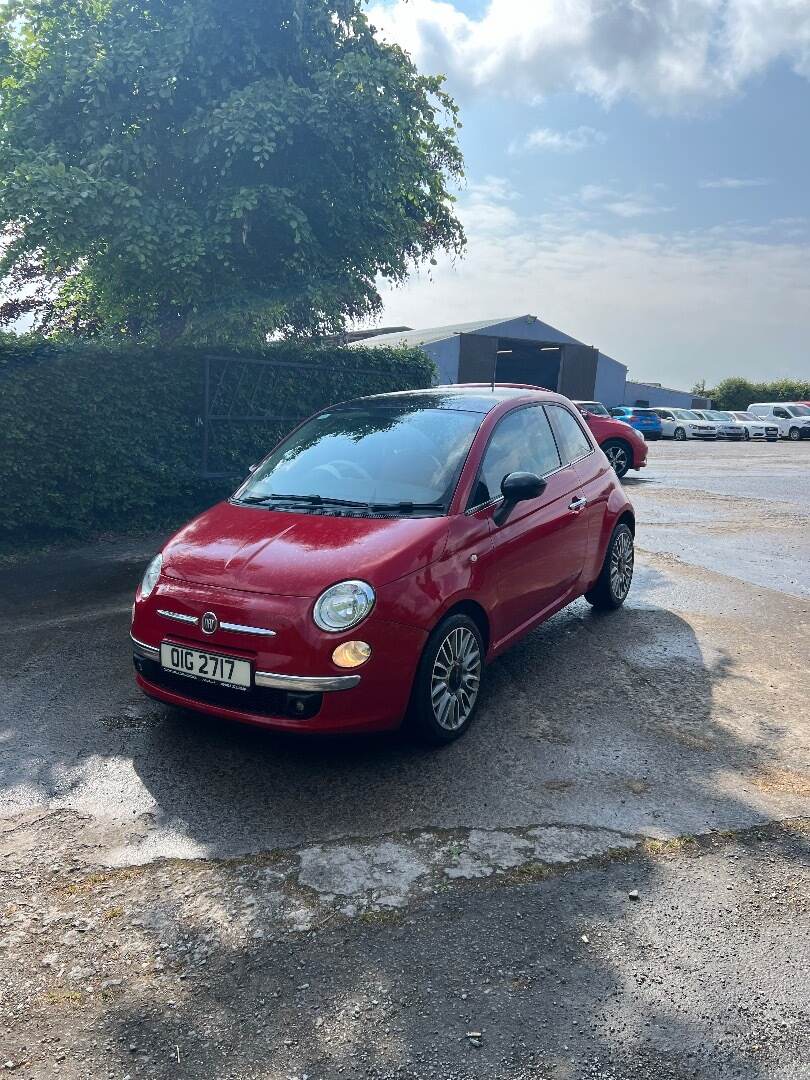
343	606
150	578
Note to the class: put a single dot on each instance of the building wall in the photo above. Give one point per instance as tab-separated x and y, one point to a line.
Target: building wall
656	395
611	377
445	355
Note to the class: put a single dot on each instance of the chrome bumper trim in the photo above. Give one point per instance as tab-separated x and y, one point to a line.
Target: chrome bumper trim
307	683
176	616
148	652
238	628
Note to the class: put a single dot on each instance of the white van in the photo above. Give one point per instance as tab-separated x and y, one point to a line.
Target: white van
791	417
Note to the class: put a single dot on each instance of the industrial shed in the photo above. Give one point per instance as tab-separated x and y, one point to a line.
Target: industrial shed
523	349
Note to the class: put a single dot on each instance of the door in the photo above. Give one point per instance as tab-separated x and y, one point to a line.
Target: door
596	481
782	418
477	357
539	552
578	372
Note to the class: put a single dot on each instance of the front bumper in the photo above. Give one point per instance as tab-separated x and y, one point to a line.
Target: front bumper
306	684
295	684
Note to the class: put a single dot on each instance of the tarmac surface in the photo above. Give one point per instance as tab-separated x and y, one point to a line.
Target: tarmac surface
393	880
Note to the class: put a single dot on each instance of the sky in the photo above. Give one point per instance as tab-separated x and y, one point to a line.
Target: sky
638	175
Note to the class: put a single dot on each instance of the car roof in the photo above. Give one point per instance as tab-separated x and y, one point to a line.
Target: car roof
469	397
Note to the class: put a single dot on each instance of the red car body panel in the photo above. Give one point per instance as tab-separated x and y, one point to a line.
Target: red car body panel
607	427
259	567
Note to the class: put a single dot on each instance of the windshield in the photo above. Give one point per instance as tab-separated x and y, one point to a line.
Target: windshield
595	407
645	412
714	414
685	414
744	416
798	410
376	455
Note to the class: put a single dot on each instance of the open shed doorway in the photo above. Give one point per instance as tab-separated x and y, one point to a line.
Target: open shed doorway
533	362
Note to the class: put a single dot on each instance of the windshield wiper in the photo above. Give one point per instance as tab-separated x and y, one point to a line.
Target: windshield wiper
407	507
320	500
404	507
309	500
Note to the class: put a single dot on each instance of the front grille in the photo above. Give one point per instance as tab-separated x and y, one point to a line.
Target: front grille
262	700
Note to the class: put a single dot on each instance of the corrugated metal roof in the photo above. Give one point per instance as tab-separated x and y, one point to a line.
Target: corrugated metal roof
435	333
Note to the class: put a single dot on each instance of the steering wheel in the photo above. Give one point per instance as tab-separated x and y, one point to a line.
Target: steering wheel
345	470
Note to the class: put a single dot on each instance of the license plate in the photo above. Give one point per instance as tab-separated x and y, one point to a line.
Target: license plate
195	664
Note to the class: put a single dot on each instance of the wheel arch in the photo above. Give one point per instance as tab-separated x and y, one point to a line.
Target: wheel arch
473	610
627	518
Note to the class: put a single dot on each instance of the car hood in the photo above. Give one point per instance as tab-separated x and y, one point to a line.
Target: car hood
253	549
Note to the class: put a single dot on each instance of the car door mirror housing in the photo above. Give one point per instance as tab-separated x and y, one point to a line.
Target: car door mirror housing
518	487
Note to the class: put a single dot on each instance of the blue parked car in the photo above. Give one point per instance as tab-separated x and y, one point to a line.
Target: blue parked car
645	421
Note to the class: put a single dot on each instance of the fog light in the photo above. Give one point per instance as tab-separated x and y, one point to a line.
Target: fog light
351	654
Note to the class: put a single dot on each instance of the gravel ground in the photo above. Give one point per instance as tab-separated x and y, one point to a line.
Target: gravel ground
607	877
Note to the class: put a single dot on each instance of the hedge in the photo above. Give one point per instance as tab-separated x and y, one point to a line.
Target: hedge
95	439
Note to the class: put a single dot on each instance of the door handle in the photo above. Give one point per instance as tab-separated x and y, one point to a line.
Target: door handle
578	504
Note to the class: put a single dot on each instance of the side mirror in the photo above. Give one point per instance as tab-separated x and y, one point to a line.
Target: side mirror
518	487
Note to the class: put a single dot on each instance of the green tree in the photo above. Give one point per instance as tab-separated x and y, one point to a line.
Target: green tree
734	393
214	170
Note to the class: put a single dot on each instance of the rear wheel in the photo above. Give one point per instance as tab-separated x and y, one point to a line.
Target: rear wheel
448	680
794	434
619	454
680	434
616	577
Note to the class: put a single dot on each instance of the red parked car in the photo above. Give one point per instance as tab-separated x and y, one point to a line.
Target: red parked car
624	448
379	557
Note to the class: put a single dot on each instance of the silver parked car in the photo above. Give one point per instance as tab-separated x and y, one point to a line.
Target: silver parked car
757	428
727	426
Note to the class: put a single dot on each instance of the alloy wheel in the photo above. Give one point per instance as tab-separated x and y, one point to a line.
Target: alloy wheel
455	679
680	434
617	456
622	558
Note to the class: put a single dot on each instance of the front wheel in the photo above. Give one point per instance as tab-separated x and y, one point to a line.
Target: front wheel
619	454
616	576
680	434
448	680
747	436
794	434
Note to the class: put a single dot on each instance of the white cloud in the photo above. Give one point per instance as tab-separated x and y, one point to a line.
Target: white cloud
592	199
732	183
561	142
673	307
672	54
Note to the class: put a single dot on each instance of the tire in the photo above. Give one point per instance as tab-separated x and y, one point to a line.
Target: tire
446	689
619	454
679	434
616	576
747	435
794	434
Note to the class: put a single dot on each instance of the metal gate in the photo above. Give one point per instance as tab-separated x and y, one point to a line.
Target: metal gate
241	420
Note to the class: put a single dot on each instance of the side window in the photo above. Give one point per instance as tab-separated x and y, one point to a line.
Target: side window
522	442
783	414
571	439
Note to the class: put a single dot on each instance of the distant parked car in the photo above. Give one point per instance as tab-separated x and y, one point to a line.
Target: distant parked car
727	426
624	448
756	427
681	424
644	421
791	417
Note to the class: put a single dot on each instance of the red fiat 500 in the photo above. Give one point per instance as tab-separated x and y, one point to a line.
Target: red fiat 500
379	557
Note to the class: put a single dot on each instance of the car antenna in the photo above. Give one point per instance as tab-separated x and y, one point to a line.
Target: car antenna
498	352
